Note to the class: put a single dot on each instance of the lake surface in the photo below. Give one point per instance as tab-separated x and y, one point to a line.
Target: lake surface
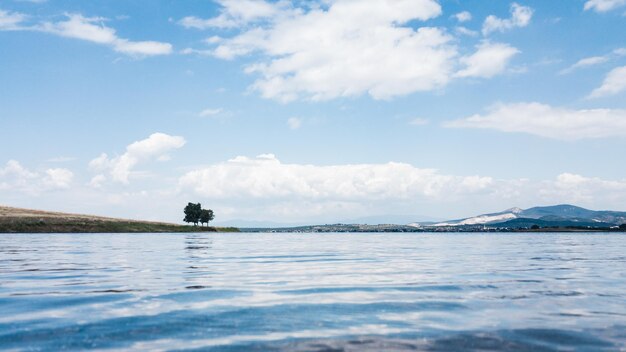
313	292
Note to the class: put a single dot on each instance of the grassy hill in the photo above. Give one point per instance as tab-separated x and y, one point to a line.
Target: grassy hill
17	220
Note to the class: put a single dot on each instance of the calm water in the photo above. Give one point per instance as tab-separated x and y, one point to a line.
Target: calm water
309	292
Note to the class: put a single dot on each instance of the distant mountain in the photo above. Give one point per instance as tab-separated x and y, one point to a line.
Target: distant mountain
563	210
559	222
557	215
567	211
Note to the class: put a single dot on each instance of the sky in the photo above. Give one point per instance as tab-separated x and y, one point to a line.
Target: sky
312	111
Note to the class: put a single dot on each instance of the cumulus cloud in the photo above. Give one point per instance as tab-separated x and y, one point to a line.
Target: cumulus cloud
465	31
157	146
10	20
265	177
235	13
14	170
614	83
264	187
210	112
547	121
489	60
97	181
520	17
58	178
348	48
603	5
463	16
579	189
15	177
91	29
294	123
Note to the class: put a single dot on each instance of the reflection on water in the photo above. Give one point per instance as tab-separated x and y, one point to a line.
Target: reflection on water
310	292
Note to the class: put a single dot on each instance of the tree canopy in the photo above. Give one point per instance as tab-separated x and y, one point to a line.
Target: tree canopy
195	214
206	215
192	213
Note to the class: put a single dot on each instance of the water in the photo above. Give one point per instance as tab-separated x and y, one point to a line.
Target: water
313	292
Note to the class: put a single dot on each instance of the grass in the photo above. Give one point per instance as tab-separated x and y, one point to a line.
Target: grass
16	220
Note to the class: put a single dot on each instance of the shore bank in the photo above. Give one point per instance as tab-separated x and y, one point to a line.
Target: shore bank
17	220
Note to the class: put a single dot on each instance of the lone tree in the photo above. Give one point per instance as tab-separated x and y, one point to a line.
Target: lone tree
193	213
206	215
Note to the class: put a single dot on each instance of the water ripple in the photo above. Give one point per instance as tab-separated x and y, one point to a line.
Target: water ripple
326	292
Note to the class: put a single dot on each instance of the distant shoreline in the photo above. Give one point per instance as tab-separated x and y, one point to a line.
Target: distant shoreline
391	228
18	220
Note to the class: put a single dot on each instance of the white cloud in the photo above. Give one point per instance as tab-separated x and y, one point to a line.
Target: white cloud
547	121
463	16
578	189
15	177
79	27
92	30
265	177
15	170
489	60
234	13
89	29
265	188
465	31
586	62
58	178
349	48
100	163
520	17
97	181
10	20
210	112
604	5
191	51
195	22
213	39
294	123
614	82
157	146
143	48
595	60
419	121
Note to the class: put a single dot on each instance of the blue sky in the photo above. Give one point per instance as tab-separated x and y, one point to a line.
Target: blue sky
312	111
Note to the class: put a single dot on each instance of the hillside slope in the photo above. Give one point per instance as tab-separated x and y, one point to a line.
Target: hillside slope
563	215
18	220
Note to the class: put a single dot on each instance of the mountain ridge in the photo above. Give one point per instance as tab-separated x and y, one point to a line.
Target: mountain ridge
552	215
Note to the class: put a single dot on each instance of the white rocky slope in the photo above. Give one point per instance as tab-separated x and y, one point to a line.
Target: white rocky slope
509	214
